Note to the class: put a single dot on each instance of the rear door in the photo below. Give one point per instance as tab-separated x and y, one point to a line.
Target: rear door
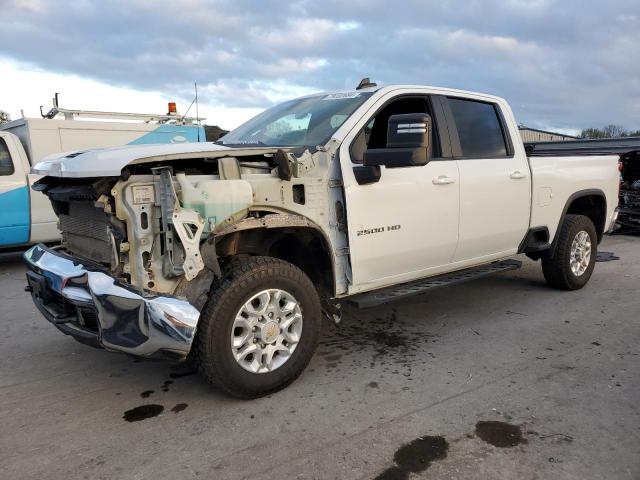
495	183
405	225
14	194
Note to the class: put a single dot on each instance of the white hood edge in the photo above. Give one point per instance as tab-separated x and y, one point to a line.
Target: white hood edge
109	162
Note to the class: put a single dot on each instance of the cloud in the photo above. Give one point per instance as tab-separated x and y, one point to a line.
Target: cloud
31	87
560	63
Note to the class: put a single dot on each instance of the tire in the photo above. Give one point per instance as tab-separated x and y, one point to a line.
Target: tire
557	268
214	352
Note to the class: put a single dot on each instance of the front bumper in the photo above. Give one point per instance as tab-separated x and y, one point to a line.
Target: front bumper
85	302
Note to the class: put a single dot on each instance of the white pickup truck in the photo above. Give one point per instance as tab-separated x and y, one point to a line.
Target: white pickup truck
229	253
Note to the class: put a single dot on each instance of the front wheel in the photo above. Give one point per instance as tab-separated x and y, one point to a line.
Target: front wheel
259	329
572	263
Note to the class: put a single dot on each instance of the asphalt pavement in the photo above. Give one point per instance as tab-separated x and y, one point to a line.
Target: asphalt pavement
502	378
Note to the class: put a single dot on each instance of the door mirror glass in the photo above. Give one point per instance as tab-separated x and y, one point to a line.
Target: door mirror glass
408	142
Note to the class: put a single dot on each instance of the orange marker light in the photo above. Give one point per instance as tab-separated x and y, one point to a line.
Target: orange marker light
172	107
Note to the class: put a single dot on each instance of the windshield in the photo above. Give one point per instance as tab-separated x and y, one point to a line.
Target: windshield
308	121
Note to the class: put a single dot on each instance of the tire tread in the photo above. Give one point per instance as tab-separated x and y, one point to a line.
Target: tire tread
555	268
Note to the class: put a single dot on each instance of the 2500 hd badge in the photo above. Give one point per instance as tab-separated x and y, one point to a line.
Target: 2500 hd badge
369	231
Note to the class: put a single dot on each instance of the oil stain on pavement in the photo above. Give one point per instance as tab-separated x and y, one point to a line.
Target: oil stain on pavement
606	257
165	385
415	457
500	434
146	393
177	408
143	412
183	373
390	341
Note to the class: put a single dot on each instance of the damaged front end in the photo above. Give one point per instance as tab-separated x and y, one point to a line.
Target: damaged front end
629	206
138	253
83	300
629	210
127	244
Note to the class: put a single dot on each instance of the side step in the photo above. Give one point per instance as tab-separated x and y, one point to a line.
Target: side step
384	295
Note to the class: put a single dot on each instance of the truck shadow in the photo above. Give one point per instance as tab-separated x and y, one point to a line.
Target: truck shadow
9	259
397	336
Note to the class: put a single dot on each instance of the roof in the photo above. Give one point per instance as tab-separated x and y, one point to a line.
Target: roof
389	88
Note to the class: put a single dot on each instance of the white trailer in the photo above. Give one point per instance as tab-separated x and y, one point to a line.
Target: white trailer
26	216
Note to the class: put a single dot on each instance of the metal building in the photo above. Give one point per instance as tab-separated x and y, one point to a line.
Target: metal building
534	135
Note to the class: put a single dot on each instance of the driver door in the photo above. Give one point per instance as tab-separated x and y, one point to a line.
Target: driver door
405	225
14	196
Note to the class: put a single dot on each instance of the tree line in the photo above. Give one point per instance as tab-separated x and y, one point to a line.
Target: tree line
609	131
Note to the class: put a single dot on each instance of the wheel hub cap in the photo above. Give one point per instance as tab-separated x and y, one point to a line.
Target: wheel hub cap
580	256
269	332
266	331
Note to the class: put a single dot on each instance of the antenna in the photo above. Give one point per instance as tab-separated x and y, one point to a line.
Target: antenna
188	109
195	84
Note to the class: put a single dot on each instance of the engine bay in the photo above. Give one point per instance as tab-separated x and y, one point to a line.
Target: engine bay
145	227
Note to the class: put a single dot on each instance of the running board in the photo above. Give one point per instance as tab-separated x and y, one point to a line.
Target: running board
384	295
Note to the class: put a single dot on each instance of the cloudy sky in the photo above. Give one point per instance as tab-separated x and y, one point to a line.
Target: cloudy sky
563	64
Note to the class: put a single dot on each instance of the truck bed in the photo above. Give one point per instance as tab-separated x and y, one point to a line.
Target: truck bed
605	146
627	150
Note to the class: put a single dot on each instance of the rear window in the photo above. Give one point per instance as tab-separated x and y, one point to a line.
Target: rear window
6	165
479	128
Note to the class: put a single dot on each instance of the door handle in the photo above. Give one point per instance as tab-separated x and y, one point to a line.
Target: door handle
517	175
443	180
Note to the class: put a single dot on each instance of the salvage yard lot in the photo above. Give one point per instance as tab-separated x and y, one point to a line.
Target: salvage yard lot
393	390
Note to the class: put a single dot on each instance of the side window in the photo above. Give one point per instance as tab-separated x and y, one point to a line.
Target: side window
6	165
479	128
374	134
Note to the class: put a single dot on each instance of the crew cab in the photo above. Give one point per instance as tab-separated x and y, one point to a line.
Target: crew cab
229	253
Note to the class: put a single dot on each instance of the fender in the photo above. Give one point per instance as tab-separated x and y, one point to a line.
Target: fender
572	198
271	221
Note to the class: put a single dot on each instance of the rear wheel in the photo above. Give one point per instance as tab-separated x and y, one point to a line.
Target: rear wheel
571	265
259	329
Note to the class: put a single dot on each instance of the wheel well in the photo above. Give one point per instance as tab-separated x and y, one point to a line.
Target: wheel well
304	247
592	206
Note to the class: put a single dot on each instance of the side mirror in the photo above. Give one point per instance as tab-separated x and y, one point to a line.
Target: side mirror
367	175
408	142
